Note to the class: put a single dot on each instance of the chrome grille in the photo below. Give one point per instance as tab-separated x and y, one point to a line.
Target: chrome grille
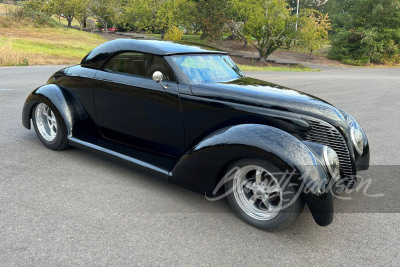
325	134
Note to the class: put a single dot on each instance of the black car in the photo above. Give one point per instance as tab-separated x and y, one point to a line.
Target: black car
190	116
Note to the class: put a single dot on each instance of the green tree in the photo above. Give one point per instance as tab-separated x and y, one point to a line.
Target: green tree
35	5
365	31
61	8
105	11
309	4
171	13
313	29
138	14
211	16
82	12
158	15
269	22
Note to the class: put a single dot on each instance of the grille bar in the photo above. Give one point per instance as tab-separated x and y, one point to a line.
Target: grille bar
323	133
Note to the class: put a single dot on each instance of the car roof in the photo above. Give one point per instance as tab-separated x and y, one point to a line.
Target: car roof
98	56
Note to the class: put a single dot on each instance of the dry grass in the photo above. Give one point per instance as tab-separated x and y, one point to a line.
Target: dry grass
9	56
5	8
43	45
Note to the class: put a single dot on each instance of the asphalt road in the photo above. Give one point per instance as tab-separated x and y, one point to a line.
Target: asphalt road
75	208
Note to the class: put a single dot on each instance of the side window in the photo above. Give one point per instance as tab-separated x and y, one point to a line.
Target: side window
140	64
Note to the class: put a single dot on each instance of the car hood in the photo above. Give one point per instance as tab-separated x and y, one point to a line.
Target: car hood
256	92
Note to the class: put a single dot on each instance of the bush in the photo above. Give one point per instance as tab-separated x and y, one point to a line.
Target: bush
362	47
37	17
174	34
367	31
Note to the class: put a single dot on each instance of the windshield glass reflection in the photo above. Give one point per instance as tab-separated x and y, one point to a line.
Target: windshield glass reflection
208	68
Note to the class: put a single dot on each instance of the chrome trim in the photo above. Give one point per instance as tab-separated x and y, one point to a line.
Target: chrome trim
119	155
158	77
328	165
325	134
353	139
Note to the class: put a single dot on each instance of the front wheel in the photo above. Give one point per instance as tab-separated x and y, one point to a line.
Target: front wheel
260	195
49	127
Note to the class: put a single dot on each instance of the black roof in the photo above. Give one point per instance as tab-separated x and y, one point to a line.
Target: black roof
97	57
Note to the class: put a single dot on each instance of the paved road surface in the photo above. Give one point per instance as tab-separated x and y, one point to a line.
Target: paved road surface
72	207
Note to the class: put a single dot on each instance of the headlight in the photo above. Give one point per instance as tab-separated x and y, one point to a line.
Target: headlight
358	139
356	132
332	162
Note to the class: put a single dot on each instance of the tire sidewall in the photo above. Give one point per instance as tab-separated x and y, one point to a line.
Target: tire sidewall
60	142
284	217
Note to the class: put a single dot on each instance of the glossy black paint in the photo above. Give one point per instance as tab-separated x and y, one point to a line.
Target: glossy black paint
190	133
150	116
101	54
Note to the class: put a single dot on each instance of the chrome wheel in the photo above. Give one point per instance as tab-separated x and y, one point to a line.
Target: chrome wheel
257	192
46	122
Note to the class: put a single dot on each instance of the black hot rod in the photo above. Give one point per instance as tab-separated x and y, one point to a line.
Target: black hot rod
190	116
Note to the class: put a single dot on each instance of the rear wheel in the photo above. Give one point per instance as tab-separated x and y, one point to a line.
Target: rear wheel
49	127
260	195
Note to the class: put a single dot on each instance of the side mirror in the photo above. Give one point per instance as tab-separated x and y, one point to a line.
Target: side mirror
157	77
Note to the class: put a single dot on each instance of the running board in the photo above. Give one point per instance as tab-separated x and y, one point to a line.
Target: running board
104	151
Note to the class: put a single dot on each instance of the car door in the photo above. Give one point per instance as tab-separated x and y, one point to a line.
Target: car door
132	109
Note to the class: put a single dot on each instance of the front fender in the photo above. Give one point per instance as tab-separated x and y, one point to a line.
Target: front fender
59	98
201	168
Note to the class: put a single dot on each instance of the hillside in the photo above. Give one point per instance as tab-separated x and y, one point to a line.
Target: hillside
5	8
24	44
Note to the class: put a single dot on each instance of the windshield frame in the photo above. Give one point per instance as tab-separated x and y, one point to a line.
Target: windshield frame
177	68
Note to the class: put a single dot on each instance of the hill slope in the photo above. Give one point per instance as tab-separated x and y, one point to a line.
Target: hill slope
23	44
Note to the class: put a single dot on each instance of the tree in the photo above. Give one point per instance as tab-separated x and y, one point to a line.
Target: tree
211	16
139	14
36	5
82	12
313	30
62	8
158	15
170	13
311	4
269	22
365	31
105	11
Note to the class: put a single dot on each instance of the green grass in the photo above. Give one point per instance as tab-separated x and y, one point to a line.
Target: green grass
45	45
64	21
74	22
298	68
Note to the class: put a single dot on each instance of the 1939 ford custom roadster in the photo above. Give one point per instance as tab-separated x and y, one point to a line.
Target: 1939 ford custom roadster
190	116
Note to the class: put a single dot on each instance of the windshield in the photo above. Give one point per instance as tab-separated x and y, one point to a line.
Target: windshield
208	68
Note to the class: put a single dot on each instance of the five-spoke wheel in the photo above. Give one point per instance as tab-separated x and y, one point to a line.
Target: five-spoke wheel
259	193
49	127
46	122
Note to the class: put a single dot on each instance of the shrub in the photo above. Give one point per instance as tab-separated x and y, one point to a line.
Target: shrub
37	17
173	34
367	32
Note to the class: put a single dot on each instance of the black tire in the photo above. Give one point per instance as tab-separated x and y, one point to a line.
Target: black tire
289	198
60	141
